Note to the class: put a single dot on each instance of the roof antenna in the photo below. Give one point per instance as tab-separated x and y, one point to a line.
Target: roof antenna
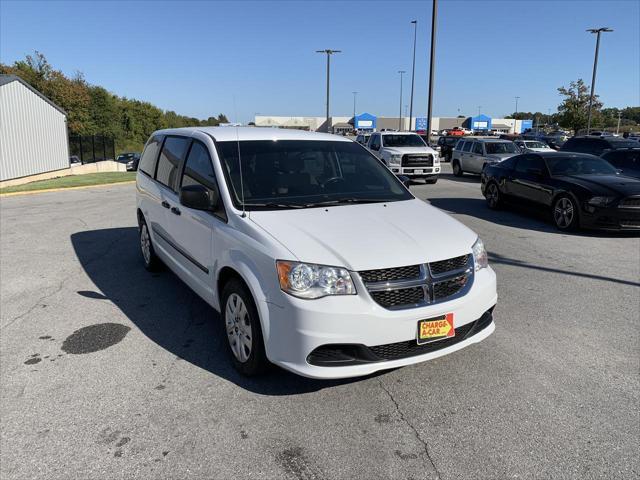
235	110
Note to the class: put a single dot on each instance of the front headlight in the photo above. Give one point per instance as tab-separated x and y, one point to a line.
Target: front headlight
308	280
601	201
480	258
395	159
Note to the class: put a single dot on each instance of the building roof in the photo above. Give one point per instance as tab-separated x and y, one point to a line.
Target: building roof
226	134
6	79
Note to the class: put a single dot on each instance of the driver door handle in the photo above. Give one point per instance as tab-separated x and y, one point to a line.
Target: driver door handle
165	204
175	210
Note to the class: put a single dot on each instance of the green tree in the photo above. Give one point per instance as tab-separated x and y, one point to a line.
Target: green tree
573	110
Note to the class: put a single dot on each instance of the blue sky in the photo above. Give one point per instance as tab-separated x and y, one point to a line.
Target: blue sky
205	57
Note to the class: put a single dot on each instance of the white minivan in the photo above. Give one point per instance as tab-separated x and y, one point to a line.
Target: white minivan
317	257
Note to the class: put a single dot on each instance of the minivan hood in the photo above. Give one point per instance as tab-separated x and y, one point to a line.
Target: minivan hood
403	150
368	236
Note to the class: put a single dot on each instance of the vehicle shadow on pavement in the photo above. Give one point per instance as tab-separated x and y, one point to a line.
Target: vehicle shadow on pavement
466	178
515	216
164	309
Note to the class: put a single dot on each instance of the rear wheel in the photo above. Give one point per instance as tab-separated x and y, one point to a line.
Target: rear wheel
242	326
457	169
565	213
493	196
151	260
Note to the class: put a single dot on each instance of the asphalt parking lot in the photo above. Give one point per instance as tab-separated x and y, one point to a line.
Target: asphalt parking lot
108	371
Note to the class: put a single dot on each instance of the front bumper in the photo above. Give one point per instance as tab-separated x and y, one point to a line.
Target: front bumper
417	171
297	327
610	218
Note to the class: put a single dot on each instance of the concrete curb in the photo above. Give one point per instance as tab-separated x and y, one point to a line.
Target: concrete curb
83	187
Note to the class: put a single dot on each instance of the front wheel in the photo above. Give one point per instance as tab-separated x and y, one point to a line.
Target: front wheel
430	181
565	213
457	169
493	196
244	333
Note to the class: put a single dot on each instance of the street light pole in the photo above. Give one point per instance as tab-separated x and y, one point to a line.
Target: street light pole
401	72
413	69
328	52
515	115
434	17
618	128
354	108
597	31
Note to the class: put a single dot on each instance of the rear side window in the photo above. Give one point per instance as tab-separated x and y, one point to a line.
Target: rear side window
150	155
477	148
467	146
528	162
172	153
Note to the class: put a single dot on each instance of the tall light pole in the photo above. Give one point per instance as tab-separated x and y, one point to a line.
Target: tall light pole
354	109
401	72
515	119
434	17
597	31
479	107
328	52
413	69
619	117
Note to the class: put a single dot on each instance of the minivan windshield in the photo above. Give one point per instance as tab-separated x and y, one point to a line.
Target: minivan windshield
499	147
410	140
582	165
305	173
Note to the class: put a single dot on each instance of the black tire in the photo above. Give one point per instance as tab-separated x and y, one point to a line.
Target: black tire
255	361
430	181
565	213
457	169
493	196
151	261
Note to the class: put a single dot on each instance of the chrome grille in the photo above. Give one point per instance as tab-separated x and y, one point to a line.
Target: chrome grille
419	285
388	274
423	160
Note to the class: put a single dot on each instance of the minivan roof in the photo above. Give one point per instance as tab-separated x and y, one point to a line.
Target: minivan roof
226	134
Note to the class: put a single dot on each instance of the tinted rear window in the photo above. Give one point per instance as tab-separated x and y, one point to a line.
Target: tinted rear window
173	152
150	155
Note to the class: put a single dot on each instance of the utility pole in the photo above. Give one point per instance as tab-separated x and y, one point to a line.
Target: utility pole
597	31
434	17
328	52
401	72
413	70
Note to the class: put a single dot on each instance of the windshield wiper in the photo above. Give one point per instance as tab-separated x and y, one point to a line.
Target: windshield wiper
276	205
339	201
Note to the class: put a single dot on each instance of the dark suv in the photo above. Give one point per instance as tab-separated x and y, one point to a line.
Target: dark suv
596	145
626	160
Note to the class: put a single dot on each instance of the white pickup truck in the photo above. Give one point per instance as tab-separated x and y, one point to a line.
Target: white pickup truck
406	153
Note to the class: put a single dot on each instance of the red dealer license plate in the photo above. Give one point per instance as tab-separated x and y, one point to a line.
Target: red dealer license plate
433	329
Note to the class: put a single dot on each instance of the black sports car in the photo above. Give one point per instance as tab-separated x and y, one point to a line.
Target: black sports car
579	190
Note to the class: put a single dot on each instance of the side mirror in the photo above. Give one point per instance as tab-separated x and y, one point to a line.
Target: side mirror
198	197
406	181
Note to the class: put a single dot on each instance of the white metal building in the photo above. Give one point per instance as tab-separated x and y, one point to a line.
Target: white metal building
33	131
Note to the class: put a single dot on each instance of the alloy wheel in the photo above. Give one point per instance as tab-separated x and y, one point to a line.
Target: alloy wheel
145	243
492	195
238	327
563	212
